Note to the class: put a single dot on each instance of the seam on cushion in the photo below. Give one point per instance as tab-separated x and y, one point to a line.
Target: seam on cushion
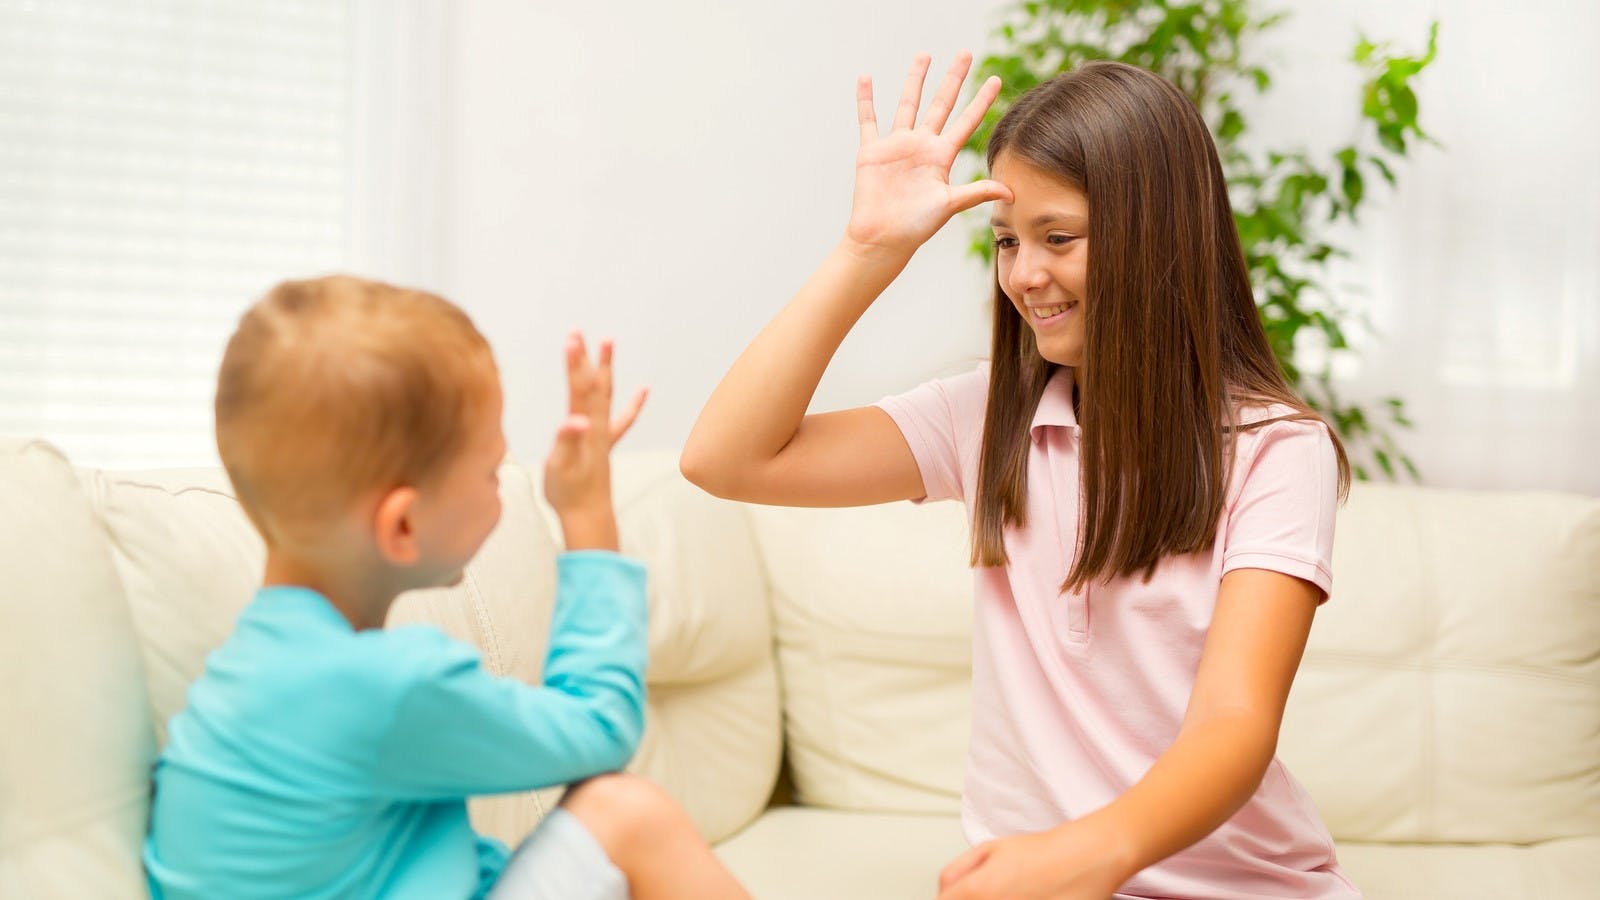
1358	659
1430	683
97	501
172	492
491	636
96	812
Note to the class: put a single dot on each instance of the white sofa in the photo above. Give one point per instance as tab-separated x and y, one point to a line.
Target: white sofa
1447	717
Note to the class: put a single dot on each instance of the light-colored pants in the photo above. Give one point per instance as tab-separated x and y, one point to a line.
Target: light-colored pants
560	860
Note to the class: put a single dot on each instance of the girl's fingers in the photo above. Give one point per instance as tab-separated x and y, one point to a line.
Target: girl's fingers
621	424
911	97
967	196
972	116
865	114
959	867
944	99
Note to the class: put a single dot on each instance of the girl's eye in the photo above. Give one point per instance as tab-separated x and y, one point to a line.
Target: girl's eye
1004	243
1060	240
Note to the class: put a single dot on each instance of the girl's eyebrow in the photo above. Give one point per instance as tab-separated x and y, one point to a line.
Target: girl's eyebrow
1044	219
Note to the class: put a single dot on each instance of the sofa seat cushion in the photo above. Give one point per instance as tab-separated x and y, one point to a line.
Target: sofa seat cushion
1566	869
802	853
795	852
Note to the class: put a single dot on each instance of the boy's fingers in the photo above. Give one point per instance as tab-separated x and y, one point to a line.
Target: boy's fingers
569	438
575	425
577	378
603	374
621	424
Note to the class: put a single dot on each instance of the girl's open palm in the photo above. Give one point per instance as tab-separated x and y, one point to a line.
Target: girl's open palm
903	192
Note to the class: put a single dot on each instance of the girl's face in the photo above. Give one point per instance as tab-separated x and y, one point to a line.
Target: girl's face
1041	242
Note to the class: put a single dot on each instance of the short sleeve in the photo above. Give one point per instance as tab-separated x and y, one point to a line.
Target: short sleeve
942	422
1282	518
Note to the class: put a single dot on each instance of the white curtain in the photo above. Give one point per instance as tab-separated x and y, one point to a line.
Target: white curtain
164	162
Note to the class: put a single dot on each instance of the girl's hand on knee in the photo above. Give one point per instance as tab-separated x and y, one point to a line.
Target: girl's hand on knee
903	193
577	473
1072	862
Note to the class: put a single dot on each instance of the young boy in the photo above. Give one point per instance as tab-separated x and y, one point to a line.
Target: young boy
322	756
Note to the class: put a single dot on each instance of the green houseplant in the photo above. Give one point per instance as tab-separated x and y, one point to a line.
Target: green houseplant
1284	199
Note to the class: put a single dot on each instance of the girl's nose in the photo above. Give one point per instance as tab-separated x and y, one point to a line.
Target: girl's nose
1026	274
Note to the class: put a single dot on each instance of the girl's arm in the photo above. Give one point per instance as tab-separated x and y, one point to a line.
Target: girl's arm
1229	735
754	441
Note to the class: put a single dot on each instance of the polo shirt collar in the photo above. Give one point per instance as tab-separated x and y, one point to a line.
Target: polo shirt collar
1055	404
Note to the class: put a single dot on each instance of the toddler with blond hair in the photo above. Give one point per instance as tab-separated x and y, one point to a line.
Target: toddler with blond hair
322	756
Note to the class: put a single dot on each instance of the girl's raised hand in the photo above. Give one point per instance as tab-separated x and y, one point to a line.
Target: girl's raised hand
903	193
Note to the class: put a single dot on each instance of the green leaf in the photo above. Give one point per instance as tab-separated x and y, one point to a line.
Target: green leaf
1232	125
1383	168
1354	188
1383	460
1405	105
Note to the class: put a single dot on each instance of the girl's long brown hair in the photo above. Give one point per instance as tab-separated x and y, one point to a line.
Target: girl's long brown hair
1173	345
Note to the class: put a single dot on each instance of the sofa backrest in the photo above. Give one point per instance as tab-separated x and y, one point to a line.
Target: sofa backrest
76	740
1450	692
124	582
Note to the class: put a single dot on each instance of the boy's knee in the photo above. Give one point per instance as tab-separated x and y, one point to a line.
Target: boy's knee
620	809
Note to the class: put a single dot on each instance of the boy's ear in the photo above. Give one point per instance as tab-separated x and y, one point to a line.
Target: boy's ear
394	526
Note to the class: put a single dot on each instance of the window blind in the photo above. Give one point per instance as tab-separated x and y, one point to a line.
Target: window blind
162	163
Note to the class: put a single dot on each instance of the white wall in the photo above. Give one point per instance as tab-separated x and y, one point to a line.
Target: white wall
669	174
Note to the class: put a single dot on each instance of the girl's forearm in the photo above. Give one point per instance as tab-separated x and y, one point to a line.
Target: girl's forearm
760	403
1206	776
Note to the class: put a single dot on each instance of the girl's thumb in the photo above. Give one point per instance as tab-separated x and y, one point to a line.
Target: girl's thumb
967	196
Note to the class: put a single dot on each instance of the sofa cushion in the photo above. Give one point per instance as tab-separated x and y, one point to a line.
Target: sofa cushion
796	853
1554	870
873	609
191	560
1451	690
715	733
77	743
793	853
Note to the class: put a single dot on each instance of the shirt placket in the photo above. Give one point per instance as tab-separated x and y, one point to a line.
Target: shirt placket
1062	442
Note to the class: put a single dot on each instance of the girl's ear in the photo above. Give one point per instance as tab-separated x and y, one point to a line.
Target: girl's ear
394	527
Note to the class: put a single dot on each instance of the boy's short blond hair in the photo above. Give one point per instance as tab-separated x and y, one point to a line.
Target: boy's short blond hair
337	387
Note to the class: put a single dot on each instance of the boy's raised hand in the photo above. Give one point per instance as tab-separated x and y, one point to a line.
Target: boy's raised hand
903	193
577	474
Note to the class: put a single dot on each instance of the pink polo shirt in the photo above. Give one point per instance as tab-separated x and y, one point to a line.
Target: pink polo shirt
1074	696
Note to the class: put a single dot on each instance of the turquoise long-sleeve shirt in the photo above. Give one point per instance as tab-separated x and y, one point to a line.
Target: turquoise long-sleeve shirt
317	761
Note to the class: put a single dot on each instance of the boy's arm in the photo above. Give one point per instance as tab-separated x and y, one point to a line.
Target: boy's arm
460	730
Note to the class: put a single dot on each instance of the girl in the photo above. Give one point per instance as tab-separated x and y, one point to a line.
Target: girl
1152	507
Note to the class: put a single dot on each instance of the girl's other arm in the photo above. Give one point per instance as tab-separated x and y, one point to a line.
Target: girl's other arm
1229	735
